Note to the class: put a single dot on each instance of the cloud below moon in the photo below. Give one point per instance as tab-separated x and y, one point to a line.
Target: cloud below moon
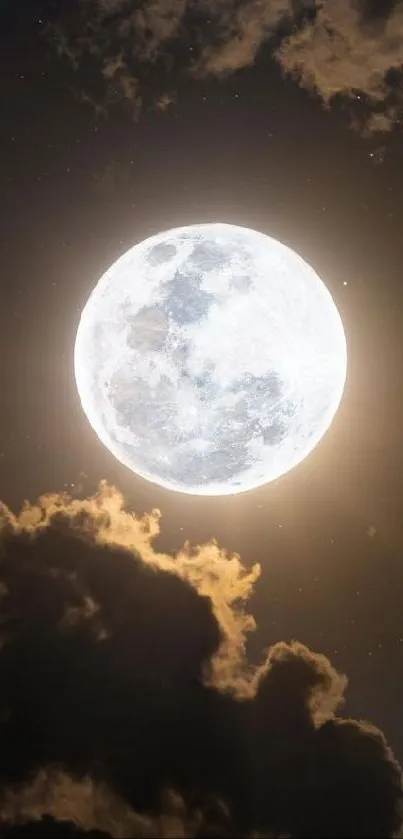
334	48
129	704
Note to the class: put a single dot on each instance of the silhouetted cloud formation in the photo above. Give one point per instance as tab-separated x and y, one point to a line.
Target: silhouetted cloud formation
128	705
350	48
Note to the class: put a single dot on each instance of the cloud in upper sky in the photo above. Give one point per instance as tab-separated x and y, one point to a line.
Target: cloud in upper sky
333	48
238	32
128	704
352	48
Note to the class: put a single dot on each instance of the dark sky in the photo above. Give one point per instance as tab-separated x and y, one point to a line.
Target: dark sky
81	182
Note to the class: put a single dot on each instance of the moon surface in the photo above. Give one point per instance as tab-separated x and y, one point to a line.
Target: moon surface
210	359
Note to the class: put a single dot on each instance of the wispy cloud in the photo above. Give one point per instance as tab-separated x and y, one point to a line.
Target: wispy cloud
346	50
331	47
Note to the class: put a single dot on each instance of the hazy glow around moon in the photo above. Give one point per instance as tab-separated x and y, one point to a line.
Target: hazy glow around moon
210	359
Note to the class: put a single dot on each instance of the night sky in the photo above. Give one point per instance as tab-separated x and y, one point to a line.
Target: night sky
207	125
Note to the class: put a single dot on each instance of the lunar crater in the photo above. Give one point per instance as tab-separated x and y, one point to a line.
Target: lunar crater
161	254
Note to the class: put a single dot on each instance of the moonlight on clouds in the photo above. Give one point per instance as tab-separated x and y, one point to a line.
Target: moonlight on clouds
210	359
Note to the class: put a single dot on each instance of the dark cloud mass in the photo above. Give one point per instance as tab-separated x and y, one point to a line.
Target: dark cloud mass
333	48
128	705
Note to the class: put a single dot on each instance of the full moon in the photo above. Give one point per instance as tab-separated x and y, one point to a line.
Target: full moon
210	359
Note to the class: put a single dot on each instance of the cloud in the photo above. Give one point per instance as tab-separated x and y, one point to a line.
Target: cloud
331	47
239	29
54	803
353	755
347	48
128	703
90	806
221	580
152	25
54	799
